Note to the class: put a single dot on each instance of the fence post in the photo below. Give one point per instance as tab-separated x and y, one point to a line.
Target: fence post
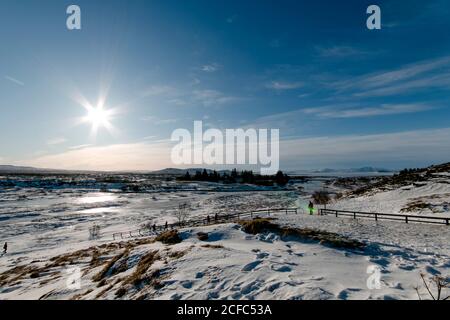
337	213
406	219
376	217
354	215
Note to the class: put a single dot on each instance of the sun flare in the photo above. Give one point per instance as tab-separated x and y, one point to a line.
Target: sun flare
98	116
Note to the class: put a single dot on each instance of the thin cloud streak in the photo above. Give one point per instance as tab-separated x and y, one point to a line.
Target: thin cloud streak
385	109
14	80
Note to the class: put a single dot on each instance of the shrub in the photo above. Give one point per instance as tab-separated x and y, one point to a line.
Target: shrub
321	197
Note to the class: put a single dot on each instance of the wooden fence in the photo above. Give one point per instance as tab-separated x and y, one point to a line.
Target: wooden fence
202	221
387	216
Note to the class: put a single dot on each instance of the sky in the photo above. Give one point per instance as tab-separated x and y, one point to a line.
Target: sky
342	96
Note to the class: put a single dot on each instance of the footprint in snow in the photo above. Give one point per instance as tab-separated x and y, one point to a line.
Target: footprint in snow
187	284
344	294
262	255
281	268
432	270
252	265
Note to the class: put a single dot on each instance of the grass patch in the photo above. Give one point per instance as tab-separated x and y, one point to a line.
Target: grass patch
202	236
213	246
323	237
146	262
169	237
178	254
258	225
416	206
102	293
109	266
121	292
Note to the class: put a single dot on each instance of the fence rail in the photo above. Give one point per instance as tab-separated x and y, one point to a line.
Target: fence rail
387	216
202	221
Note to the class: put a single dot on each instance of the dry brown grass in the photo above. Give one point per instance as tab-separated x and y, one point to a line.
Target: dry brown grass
213	246
202	236
178	254
416	206
102	293
81	295
109	266
258	225
16	274
69	258
323	237
138	276
169	237
121	292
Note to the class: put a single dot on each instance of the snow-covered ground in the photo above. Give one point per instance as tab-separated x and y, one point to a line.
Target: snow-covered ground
428	198
42	223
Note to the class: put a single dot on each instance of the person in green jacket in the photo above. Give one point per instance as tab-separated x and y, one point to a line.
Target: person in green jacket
311	208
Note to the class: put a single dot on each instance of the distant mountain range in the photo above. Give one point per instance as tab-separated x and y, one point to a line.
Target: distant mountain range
362	169
32	170
168	171
20	169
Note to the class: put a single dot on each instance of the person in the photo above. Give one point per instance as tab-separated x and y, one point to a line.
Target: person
154	227
166	225
311	208
208	219
5	247
215	217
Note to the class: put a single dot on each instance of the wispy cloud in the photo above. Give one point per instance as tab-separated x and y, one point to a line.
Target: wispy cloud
81	146
56	141
158	121
284	85
400	148
14	80
212	67
157	90
425	74
212	97
340	51
353	112
186	96
292	121
133	156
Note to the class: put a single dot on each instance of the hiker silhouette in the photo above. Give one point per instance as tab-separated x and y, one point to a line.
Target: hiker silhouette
311	208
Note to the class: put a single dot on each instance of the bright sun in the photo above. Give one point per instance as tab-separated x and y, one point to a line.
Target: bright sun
98	117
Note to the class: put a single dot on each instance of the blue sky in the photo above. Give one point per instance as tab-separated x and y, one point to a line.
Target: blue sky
341	95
